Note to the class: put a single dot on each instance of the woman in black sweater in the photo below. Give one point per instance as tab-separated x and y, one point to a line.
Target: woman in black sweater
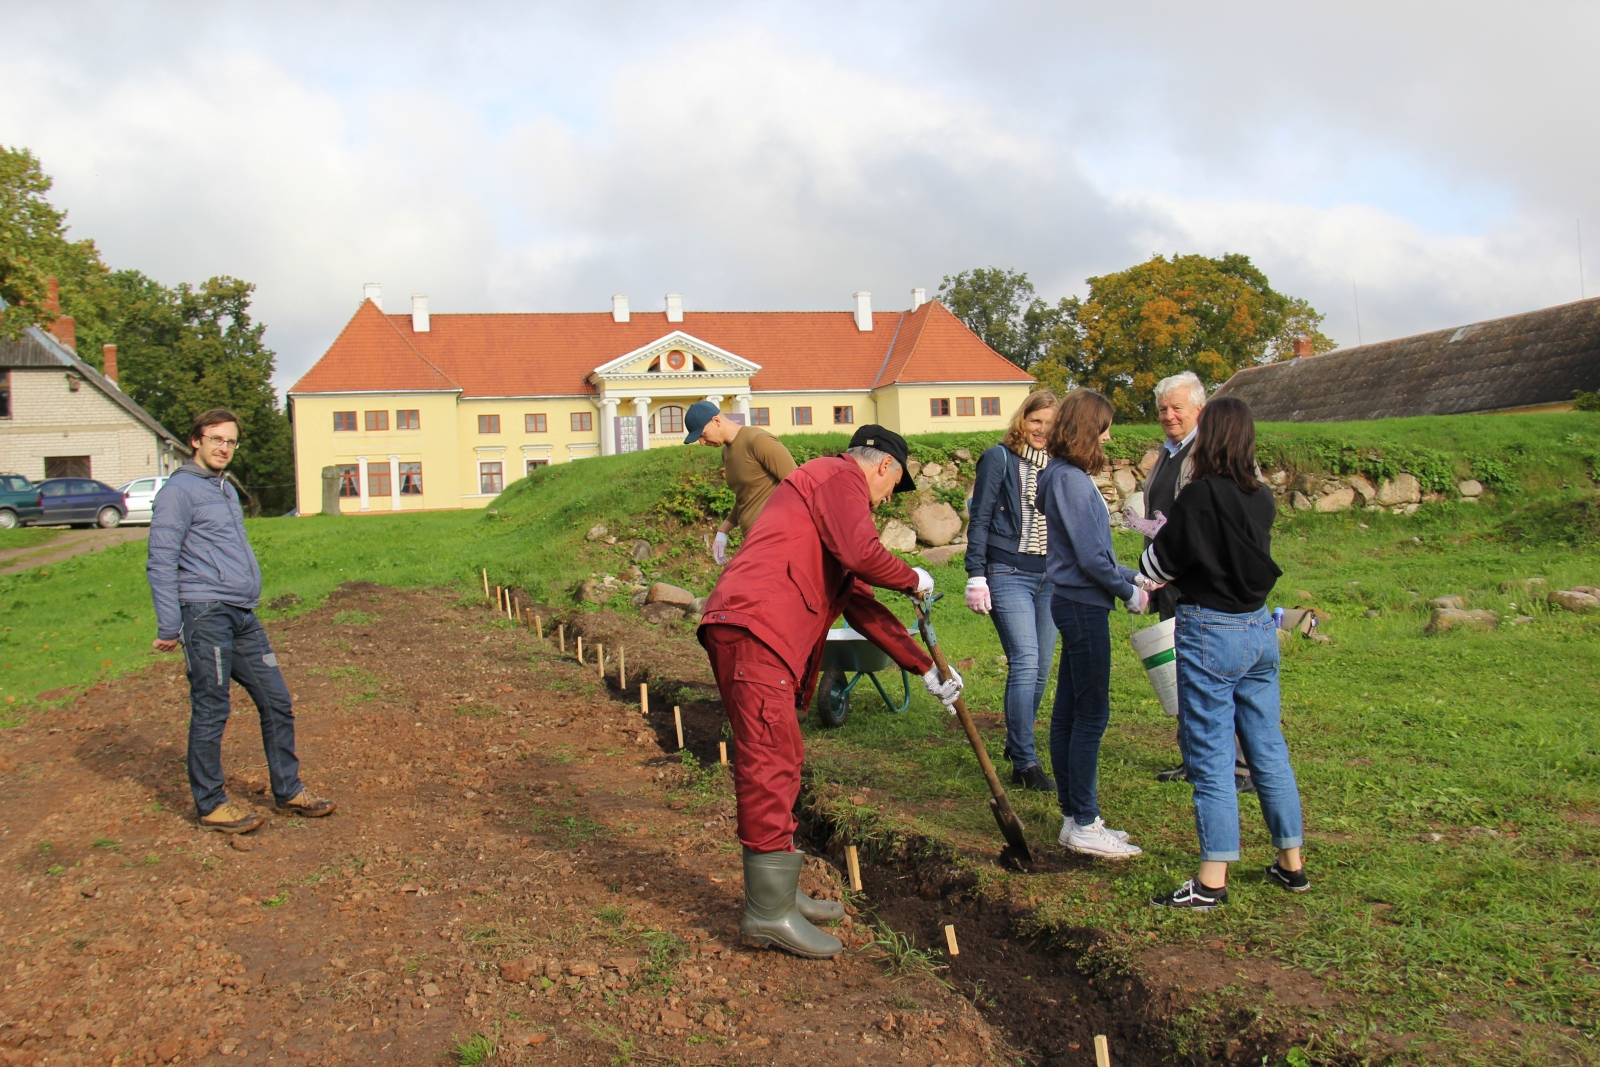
1217	546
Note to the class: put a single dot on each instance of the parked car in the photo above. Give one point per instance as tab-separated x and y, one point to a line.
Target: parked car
79	502
19	501
140	495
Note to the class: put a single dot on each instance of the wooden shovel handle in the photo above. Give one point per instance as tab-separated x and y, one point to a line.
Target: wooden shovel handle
967	724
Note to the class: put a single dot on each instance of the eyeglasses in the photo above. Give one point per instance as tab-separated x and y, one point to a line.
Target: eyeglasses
219	442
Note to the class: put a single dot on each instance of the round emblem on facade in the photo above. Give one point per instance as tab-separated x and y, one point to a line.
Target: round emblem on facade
675	359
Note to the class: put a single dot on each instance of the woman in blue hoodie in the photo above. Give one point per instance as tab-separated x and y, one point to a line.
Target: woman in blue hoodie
1086	580
1005	574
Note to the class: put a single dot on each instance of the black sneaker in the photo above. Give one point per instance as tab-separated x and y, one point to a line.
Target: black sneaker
1193	896
1177	774
1036	780
1293	881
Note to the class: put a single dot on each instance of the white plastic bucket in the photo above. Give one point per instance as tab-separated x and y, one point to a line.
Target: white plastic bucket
1154	647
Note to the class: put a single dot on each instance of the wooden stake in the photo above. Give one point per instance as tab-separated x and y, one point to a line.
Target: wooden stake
1102	1051
622	667
499	598
600	661
722	752
950	940
580	648
677	720
538	626
486	583
644	699
561	631
852	865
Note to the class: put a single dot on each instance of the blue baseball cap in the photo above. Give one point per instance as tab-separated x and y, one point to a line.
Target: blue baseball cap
695	419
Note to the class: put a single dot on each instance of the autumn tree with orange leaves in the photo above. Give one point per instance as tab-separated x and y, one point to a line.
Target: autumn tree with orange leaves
1198	313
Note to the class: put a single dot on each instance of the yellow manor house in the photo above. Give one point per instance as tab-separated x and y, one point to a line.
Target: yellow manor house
420	411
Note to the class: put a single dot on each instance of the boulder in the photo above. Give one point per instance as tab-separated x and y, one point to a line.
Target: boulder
1591	590
1279	479
1125	481
1308	483
1409	509
641	551
662	593
936	524
1470	487
1148	461
963	455
933	470
1573	600
1525	586
1455	602
898	537
1338	500
659	613
1364	489
1300	501
699	605
1136	502
913	467
595	533
1402	489
1454	619
638	599
938	557
593	591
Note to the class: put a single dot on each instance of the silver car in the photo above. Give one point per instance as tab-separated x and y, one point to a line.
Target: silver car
141	494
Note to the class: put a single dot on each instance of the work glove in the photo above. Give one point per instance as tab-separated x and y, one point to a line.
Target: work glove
978	595
1139	524
924	581
945	692
719	548
1148	584
1138	602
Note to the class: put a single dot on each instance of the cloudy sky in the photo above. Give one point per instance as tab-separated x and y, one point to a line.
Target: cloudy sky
528	156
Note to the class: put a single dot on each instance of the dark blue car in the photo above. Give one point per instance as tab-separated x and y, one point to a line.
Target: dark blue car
78	502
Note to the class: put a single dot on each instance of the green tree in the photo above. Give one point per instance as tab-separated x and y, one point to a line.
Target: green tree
1000	307
34	247
1197	313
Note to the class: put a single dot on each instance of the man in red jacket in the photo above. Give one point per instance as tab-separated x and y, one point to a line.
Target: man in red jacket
812	558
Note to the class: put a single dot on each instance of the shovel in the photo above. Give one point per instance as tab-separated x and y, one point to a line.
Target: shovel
1010	826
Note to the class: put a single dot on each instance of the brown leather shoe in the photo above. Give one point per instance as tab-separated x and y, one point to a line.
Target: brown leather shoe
230	818
307	805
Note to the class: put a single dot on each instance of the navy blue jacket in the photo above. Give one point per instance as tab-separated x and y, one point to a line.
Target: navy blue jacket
198	548
996	508
1082	564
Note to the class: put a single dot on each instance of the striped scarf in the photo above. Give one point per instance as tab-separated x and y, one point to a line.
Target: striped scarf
1033	524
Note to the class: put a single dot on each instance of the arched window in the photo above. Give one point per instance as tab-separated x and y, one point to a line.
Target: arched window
670	419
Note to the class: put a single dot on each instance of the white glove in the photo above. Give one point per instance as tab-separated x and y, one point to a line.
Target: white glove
1149	585
944	692
719	548
1138	602
978	595
924	581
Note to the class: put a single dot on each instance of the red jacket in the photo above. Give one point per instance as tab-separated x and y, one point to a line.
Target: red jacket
810	559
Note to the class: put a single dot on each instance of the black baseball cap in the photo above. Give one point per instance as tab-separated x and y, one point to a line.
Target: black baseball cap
883	440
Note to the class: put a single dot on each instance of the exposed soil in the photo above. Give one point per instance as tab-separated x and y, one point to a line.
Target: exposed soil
516	853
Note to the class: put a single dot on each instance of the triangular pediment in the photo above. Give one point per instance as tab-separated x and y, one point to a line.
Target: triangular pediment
677	355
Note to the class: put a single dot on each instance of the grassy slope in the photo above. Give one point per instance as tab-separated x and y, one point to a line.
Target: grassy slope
1396	737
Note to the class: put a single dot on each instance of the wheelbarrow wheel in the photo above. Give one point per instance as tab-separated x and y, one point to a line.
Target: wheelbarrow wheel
833	698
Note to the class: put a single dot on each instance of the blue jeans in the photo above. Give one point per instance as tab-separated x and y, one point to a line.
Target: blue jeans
1022	619
1083	705
222	643
1228	684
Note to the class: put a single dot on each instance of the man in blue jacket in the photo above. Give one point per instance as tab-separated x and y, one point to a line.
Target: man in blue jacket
206	584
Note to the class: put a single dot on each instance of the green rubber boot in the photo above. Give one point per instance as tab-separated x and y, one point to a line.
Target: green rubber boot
818	911
772	917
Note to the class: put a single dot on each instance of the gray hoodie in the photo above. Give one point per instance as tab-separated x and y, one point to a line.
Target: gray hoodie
198	548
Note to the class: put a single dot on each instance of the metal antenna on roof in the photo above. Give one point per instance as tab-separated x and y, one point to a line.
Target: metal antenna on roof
1357	297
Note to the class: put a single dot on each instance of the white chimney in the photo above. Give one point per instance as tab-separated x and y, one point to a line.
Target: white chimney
674	307
373	291
619	308
918	298
419	312
864	312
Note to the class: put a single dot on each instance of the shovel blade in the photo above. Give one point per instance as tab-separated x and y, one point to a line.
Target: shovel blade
1010	827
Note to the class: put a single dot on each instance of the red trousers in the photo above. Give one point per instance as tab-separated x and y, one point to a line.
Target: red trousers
758	693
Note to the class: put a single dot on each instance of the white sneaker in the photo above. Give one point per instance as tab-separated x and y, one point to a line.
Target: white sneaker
1067	824
1096	840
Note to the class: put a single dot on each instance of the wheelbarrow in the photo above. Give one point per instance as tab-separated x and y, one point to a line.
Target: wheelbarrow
850	653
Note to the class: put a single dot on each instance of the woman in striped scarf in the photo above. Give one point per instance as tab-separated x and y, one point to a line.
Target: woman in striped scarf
1006	575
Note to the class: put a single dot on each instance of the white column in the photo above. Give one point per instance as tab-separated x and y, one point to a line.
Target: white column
608	427
394	482
715	399
361	476
641	408
741	406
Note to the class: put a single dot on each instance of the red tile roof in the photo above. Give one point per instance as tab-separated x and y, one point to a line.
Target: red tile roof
552	354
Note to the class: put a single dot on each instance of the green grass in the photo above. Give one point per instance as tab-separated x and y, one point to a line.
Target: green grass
27	537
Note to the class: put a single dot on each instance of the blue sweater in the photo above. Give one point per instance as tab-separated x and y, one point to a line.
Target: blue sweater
198	548
1081	563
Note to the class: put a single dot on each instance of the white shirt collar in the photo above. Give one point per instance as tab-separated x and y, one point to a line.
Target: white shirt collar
1174	449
